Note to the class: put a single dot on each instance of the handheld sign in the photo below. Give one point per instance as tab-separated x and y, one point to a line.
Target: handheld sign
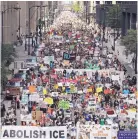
66	56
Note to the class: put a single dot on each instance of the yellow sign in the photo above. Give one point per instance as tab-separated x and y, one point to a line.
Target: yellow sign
98	90
89	90
66	63
55	86
44	91
48	100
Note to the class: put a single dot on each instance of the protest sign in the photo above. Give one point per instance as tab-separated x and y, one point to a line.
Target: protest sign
66	56
64	104
57	39
93	132
54	94
34	97
44	91
32	89
24	99
66	63
36	115
48	100
101	132
23	132
127	135
48	59
99	89
115	77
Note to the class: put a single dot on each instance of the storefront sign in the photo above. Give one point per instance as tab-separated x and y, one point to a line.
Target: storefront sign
24	132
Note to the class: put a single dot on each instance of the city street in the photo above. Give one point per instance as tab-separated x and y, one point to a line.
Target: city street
77	78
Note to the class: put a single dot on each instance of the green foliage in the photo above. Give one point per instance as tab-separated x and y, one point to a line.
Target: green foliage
8	55
130	41
113	18
76	7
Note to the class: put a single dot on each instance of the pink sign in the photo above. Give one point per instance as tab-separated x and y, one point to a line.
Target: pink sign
54	76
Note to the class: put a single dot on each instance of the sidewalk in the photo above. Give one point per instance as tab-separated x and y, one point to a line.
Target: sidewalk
121	57
21	57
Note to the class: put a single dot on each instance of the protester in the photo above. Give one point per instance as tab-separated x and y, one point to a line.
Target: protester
73	84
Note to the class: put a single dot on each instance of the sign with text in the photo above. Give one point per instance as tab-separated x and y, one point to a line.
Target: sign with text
48	59
127	135
67	56
24	132
93	132
24	99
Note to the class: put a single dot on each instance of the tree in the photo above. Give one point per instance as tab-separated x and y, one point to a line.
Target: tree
130	41
76	7
8	55
113	18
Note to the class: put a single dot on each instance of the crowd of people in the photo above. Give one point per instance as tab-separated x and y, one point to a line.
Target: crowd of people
77	81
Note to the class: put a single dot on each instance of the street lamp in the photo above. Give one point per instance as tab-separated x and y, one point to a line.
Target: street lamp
2	14
16	8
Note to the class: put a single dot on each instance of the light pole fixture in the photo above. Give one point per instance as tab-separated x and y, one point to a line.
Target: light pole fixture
18	8
2	14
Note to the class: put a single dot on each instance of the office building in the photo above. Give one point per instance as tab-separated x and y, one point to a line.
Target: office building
128	14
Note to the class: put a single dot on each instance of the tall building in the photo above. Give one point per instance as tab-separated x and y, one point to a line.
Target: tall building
10	25
13	20
128	14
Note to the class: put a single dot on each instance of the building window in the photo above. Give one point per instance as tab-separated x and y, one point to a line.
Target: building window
97	2
108	2
118	2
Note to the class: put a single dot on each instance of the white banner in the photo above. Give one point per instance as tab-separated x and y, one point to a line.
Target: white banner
93	132
54	94
34	97
24	132
47	59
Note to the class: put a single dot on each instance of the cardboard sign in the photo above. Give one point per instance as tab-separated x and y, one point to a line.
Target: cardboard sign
37	115
33	132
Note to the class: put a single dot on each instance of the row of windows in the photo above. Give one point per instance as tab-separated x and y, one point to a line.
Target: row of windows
118	2
126	2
